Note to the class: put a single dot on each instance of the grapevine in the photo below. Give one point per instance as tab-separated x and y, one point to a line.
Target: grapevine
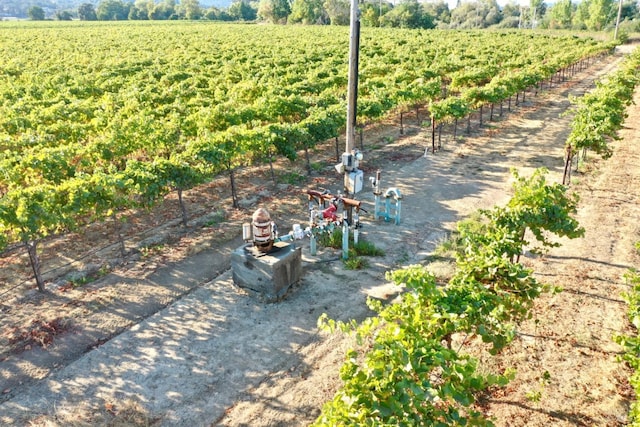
163	107
600	113
409	372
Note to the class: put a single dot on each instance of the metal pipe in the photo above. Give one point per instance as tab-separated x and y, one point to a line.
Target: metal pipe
345	239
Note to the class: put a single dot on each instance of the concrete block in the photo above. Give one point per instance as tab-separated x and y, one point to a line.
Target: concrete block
269	275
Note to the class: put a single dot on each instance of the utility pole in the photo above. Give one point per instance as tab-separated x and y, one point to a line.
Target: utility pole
352	90
353	177
615	34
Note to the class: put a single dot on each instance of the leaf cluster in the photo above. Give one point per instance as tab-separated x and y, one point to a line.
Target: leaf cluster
631	343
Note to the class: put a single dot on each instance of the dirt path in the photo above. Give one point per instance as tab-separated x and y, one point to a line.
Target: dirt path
218	356
565	357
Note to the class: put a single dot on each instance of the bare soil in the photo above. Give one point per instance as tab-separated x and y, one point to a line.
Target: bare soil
162	336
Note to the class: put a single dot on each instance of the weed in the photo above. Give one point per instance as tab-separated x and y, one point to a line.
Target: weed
453	244
447	246
362	248
317	166
81	281
366	248
534	395
77	282
331	240
292	178
355	262
148	251
215	218
403	258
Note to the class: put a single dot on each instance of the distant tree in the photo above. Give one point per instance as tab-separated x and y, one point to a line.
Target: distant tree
537	11
601	12
138	14
308	12
467	16
141	9
408	14
630	10
215	14
372	11
241	10
369	15
493	14
581	15
164	10
274	11
113	10
190	9
481	14
135	14
86	12
439	11
36	13
339	12
509	22
64	15
511	9
559	15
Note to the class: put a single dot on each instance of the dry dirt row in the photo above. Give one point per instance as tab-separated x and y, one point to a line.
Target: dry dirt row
217	356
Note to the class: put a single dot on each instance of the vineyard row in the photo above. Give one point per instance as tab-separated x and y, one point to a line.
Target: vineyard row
408	371
145	110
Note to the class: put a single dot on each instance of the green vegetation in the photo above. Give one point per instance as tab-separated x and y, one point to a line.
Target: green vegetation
356	250
593	15
215	218
407	371
89	129
89	278
600	113
453	244
631	343
366	248
354	262
534	201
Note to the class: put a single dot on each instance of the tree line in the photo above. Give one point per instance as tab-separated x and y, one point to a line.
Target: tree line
593	15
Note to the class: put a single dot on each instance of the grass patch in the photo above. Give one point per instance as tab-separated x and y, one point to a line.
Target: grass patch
355	262
357	251
453	244
215	218
318	166
76	282
331	240
362	248
148	251
292	178
365	248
